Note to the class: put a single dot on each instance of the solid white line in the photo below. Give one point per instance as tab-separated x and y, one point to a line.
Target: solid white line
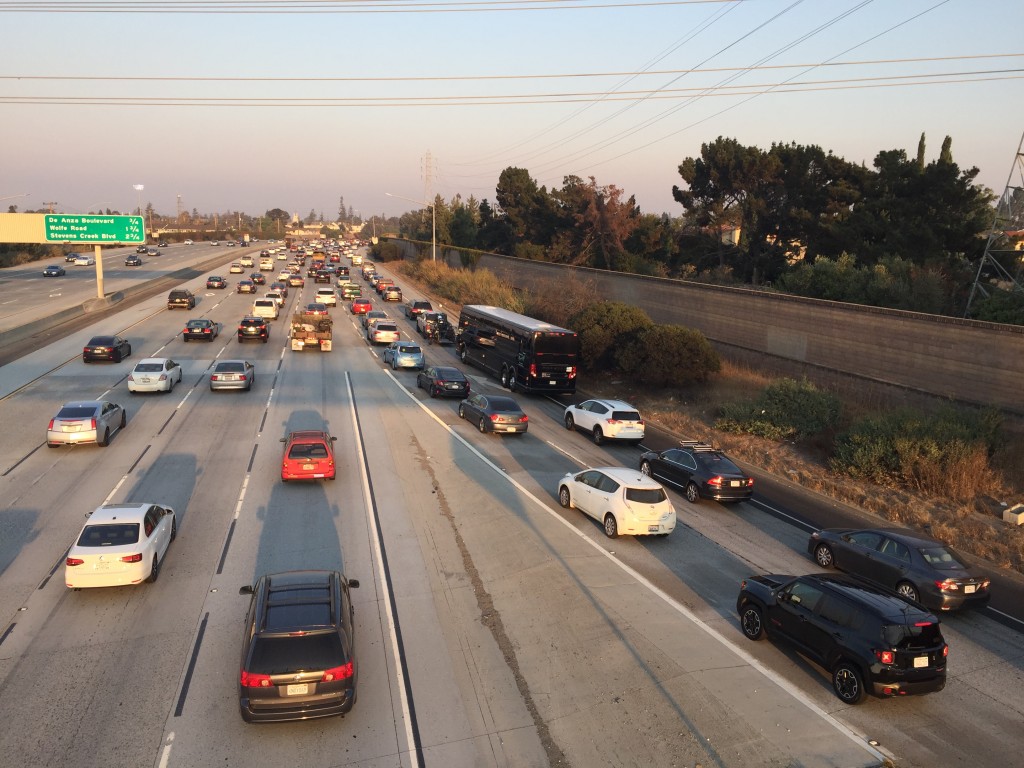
241	495
784	684
165	753
381	576
1006	616
799	523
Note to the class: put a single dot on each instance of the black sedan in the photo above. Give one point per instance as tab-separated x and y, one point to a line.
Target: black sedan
133	261
258	278
246	286
216	281
141	249
201	329
700	471
54	270
112	348
443	382
913	565
494	413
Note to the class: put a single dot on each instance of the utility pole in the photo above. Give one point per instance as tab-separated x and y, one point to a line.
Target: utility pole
181	209
50	206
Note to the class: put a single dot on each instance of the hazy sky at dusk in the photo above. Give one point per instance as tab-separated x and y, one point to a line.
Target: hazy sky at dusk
367	91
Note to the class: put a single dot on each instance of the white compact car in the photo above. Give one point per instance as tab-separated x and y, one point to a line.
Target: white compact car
326	296
622	500
121	544
265	307
606	420
154	374
85	261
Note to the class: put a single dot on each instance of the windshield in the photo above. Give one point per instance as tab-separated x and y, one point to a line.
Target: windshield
556	344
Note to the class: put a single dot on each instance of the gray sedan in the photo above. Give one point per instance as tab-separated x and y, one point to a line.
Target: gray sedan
494	413
233	374
85	421
404	354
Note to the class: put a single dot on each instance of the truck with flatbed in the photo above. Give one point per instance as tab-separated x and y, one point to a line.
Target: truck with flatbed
310	331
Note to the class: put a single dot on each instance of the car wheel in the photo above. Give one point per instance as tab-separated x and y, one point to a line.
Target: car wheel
847	683
908	590
129	352
118	357
504	377
645	468
569	422
692	493
106	438
154	572
53	445
462	412
598	436
512	386
611	528
463	355
185	339
433	391
481	426
564	498
174	528
823	556
752	622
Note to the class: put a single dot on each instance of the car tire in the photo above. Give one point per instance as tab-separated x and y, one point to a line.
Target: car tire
692	493
823	556
118	357
106	438
463	355
564	497
752	622
124	420
848	683
53	445
909	591
129	352
174	528
184	338
611	526
645	468
462	412
512	386
433	391
154	572
598	436
481	427
570	424
504	378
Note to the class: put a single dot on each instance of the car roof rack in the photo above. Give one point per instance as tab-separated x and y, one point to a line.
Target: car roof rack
697	445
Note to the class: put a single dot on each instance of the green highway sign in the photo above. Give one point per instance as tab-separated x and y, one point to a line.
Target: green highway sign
96	229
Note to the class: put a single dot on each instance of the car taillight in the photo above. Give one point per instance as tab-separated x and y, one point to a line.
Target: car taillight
206	330
494	417
886	657
337	673
92	423
184	330
945	651
533	370
51	425
716	481
137	558
947	586
524	418
241	377
74	561
254	680
572	372
750	482
163	377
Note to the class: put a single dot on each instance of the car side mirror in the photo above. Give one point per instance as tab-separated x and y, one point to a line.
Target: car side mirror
246	590
283	440
353	583
334	439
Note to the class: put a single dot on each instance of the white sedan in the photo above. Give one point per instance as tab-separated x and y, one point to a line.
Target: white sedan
121	544
154	374
85	261
622	500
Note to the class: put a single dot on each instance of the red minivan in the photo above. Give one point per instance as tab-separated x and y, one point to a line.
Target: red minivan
308	455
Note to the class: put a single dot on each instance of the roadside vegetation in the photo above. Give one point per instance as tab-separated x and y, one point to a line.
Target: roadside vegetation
945	469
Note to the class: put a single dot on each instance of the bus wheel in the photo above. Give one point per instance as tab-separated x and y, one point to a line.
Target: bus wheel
462	354
504	378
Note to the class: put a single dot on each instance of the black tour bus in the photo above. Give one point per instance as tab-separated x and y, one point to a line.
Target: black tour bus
525	353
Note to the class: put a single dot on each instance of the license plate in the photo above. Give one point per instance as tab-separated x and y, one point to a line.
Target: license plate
652	529
920	662
969	589
510	429
734	483
308	466
297	689
145	381
72	428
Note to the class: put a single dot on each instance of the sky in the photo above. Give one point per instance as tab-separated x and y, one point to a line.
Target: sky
248	105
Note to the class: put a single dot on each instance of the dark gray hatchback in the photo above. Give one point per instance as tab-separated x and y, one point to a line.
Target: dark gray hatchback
298	649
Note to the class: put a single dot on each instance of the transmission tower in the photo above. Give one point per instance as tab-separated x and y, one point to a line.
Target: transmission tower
50	205
1000	266
181	209
428	177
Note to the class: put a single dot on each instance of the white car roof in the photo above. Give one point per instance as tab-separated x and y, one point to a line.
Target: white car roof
615	405
634	478
160	360
123	513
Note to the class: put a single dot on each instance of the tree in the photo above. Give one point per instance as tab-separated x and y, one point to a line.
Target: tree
341	210
278	215
311	217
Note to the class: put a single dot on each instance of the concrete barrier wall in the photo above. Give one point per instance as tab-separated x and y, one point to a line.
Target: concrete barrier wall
963	360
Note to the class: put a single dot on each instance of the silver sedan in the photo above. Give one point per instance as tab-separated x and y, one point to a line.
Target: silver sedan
85	421
154	374
233	374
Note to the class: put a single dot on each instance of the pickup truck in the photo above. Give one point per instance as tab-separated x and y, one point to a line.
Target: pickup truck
311	331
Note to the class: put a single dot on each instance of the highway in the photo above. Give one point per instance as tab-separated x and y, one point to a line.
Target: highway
494	628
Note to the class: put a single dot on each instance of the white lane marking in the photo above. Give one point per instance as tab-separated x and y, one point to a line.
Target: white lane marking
780	681
115	489
797	522
381	576
241	495
1006	616
165	753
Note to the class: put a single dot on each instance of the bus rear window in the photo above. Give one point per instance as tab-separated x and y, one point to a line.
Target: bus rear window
555	344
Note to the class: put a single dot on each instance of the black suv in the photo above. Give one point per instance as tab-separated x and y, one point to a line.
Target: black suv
181	297
416	308
298	648
254	328
860	634
700	470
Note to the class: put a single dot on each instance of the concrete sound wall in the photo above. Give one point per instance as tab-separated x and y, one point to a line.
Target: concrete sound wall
964	360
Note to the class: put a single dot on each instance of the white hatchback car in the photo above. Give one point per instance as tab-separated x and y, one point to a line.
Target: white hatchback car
121	544
154	374
326	296
606	420
623	500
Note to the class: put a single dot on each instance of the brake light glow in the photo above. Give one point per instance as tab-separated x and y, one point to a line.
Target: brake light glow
337	673
886	657
74	561
572	372
136	558
92	423
945	651
947	586
254	680
533	370
51	425
716	481
524	418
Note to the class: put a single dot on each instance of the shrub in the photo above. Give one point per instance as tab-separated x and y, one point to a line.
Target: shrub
558	301
602	327
786	410
664	355
945	453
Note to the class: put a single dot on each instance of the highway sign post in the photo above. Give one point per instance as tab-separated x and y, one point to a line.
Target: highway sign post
98	229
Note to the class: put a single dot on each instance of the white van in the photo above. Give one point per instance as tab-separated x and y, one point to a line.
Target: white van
267	308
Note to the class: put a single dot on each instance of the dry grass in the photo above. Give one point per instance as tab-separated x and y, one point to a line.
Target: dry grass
972	526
